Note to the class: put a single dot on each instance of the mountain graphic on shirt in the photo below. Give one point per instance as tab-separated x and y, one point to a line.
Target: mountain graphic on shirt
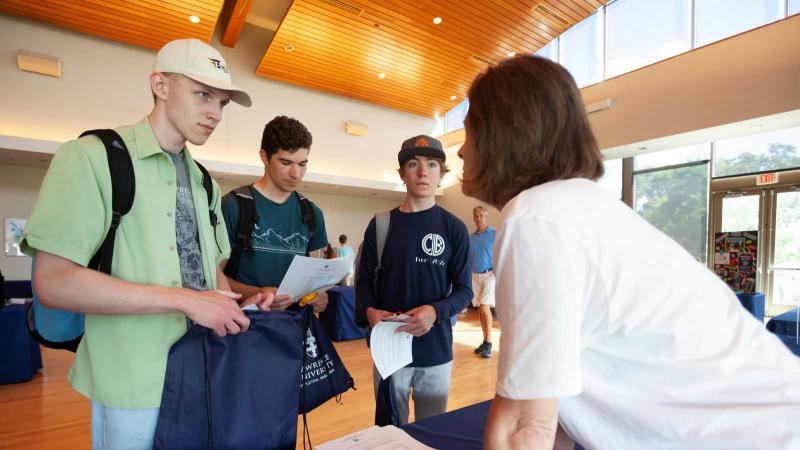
271	241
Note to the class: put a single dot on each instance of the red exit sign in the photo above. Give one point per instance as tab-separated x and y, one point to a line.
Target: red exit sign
767	178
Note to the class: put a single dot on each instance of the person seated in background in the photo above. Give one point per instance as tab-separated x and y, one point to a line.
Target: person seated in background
342	251
330	253
595	337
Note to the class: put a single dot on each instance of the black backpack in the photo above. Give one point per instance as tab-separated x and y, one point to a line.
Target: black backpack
247	219
123	190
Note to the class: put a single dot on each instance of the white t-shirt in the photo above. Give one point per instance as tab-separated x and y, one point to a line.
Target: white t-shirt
645	347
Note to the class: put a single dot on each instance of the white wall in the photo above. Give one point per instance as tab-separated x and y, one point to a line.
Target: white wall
754	74
461	205
105	84
19	187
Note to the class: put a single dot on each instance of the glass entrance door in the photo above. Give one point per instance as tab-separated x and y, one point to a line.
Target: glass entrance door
737	204
784	268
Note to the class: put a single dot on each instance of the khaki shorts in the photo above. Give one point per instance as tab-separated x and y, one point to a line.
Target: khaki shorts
483	288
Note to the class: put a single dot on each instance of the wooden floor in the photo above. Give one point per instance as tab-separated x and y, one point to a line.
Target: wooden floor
45	413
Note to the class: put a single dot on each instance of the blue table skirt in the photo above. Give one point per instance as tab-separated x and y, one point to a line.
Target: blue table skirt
785	327
459	429
338	317
20	357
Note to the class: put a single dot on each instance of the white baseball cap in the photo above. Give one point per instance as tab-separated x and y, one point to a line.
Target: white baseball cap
202	63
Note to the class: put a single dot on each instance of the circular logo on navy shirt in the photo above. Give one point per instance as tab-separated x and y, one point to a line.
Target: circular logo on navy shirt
433	244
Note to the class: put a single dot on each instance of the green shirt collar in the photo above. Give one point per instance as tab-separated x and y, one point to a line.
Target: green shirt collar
147	144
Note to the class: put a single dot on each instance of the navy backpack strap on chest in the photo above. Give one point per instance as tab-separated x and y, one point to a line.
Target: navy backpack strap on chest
246	220
209	188
307	217
123	190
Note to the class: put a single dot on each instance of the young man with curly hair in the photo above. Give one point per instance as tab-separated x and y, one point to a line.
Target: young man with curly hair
280	230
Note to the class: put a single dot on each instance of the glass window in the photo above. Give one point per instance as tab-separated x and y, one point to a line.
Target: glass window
641	32
612	177
550	51
774	150
682	155
454	119
676	202
718	19
794	7
740	213
581	50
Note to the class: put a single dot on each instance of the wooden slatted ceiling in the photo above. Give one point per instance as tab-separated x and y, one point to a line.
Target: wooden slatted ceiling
144	23
340	46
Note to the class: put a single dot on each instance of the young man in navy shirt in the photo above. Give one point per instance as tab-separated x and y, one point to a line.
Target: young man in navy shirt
424	273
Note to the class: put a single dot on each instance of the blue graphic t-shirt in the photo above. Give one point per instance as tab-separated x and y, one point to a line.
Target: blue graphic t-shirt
186	228
278	235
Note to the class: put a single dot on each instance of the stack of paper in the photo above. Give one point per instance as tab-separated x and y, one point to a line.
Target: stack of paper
391	351
375	437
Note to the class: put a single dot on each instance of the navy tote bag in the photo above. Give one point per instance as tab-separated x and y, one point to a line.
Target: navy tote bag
233	392
323	374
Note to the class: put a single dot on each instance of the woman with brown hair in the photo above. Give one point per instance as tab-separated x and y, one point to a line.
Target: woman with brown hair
594	337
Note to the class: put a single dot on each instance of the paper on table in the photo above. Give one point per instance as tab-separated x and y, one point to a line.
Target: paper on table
375	438
390	350
306	275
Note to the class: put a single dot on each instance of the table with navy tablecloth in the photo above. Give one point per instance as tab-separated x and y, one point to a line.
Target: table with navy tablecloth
20	357
460	429
338	317
753	303
785	327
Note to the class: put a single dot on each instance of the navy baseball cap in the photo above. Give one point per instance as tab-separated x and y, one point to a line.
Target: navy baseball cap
421	146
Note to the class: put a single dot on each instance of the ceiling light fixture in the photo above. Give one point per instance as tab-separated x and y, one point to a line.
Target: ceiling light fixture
289	48
194	19
512	54
453	97
437	20
381	75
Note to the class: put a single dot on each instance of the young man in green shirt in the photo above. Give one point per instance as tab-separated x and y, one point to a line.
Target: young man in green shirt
279	233
166	254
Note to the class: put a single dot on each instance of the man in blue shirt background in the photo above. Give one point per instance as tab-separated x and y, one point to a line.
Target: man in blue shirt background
481	243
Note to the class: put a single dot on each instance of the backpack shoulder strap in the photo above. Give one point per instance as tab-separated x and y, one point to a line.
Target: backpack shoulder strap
382	224
208	186
307	217
307	212
123	190
246	219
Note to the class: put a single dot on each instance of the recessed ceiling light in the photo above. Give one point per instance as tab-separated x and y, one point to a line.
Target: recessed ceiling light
194	19
512	54
381	75
289	48
642	148
453	97
437	20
